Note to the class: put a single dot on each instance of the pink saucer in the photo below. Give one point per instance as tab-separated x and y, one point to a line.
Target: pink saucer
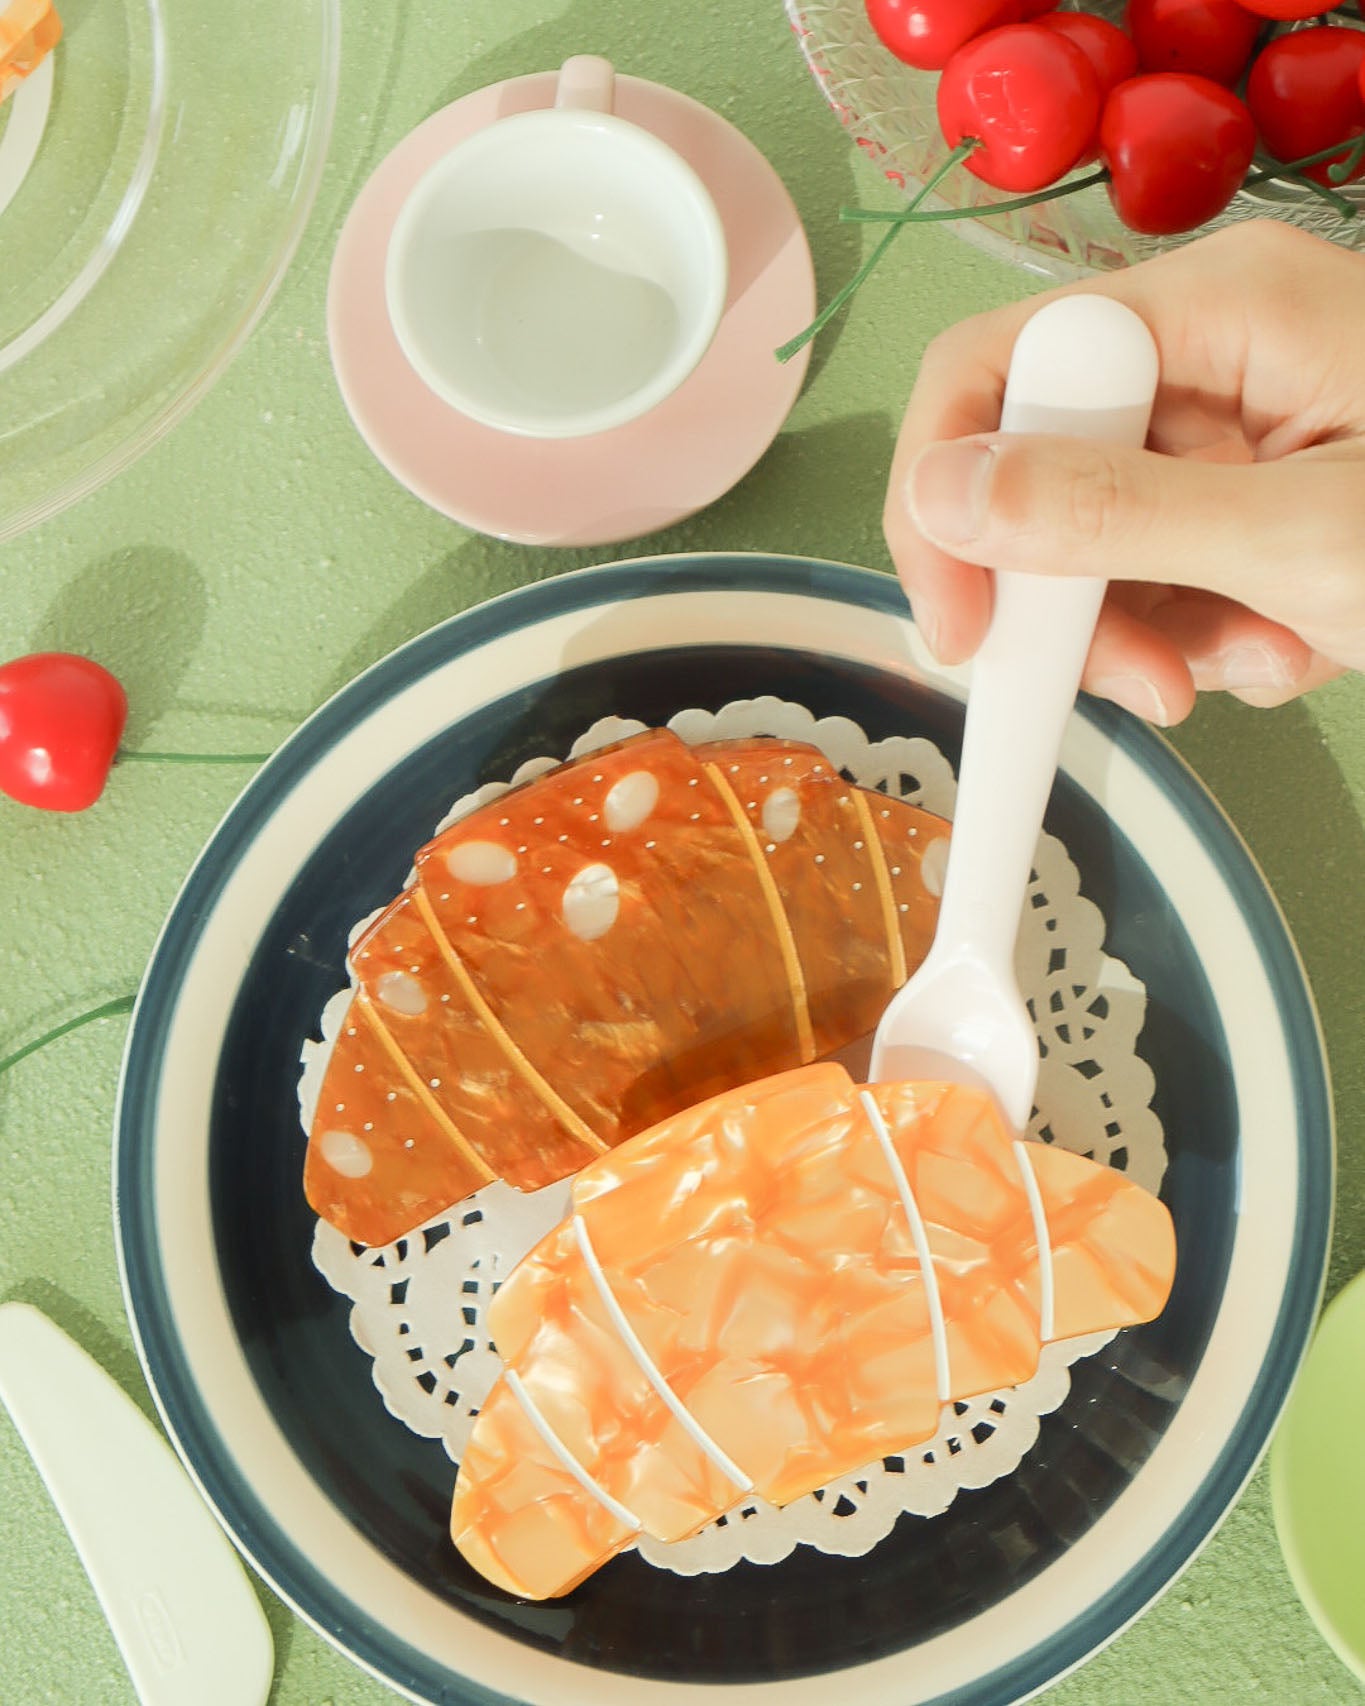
614	485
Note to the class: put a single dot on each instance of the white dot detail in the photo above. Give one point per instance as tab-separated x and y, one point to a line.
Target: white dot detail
344	1153
401	993
591	902
781	814
630	801
934	865
483	863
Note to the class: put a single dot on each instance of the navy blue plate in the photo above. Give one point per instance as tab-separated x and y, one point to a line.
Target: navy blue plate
982	1605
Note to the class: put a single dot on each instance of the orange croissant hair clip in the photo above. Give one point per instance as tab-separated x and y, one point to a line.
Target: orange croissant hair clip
771	1290
600	948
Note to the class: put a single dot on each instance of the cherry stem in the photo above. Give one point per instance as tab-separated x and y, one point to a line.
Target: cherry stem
1340	170
907	215
1339	202
1266	175
911	214
837	301
123	756
109	1010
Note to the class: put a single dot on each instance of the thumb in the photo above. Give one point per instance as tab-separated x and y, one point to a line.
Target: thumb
1069	506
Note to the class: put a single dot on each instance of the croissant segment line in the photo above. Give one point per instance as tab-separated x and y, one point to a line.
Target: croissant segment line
791	960
648	1367
565	1457
938	1327
1075	1213
1047	1310
882	878
467	1151
498	1031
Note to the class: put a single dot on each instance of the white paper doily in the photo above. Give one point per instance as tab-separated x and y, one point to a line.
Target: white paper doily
418	1305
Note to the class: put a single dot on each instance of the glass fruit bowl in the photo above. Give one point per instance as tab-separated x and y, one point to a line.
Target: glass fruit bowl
889	110
156	172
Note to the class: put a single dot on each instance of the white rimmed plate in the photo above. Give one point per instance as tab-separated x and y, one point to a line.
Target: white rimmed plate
247	1350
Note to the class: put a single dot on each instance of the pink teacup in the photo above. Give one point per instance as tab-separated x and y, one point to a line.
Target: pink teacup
560	272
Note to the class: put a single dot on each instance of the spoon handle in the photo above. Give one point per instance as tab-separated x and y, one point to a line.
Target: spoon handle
1084	366
177	1598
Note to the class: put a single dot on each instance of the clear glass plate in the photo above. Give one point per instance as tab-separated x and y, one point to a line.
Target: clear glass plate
889	110
156	173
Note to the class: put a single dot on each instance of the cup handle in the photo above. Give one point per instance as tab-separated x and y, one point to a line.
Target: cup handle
587	82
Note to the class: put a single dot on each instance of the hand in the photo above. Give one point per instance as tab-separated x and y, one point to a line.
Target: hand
1235	541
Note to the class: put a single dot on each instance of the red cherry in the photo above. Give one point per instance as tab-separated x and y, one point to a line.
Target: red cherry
1305	92
1029	96
1111	53
61	718
1209	38
1177	149
926	33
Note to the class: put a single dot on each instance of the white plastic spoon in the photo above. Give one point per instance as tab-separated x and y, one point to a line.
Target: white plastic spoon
1084	366
176	1595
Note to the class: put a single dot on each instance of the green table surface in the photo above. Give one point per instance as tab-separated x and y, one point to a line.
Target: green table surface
258	557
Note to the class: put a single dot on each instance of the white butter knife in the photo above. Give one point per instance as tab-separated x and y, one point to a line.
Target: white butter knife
180	1604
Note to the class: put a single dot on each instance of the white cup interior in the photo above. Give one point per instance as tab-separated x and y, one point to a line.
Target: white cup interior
556	274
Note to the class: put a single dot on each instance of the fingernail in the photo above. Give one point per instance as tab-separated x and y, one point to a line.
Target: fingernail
1134	693
1252	666
927	623
947	491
